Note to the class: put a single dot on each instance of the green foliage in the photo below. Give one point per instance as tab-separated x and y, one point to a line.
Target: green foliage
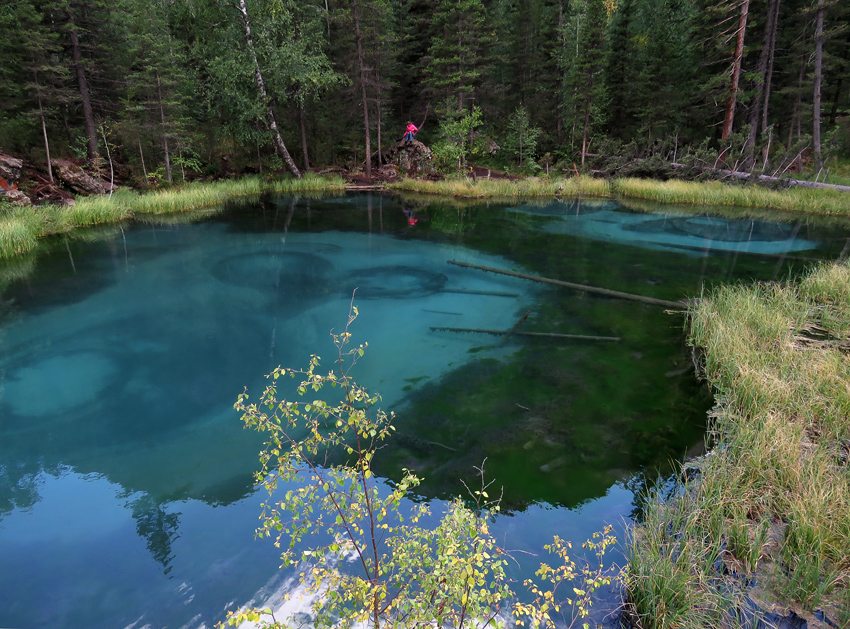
581	61
521	139
409	574
456	143
456	62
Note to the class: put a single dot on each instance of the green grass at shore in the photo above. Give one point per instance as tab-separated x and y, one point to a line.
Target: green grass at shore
713	193
769	515
22	227
572	187
814	200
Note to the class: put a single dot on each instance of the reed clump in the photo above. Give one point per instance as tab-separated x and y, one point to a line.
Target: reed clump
767	523
18	233
487	188
818	201
21	228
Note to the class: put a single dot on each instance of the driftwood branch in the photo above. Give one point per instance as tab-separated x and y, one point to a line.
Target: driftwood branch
490	293
546	335
581	287
514	327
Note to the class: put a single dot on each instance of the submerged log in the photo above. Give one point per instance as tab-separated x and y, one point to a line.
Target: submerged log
368	188
545	335
581	287
461	291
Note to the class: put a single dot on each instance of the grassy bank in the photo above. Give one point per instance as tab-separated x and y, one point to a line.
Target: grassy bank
813	200
567	188
765	525
712	193
22	227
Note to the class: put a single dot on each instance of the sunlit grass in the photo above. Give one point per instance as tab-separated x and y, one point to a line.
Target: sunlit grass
773	500
819	201
97	211
21	228
19	233
481	188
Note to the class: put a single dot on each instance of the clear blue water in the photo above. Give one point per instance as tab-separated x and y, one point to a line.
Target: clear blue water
126	496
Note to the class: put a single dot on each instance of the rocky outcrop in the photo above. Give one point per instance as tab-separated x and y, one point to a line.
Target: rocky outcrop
412	159
15	196
10	169
76	178
10	174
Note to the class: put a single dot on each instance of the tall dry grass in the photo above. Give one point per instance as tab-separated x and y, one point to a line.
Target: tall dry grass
481	188
772	504
21	228
818	201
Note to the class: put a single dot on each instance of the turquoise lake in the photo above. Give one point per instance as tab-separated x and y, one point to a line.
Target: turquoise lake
126	478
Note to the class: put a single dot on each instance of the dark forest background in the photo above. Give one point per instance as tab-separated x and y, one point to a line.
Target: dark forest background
174	89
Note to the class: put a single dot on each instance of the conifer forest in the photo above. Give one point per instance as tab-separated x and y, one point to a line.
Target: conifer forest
172	89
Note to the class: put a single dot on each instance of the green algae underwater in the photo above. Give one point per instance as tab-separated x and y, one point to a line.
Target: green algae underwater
559	421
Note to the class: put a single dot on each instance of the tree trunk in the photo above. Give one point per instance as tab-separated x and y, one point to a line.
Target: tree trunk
586	123
362	64
816	141
761	83
261	86
795	112
144	169
736	70
91	128
43	126
302	123
379	115
774	23
839	84
164	129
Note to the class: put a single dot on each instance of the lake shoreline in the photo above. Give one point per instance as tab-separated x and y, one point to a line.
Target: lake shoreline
21	226
757	528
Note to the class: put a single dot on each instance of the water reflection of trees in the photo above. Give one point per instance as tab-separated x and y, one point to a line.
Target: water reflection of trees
19	484
158	527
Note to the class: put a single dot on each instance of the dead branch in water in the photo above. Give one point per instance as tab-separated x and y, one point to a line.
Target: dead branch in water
547	335
513	329
581	287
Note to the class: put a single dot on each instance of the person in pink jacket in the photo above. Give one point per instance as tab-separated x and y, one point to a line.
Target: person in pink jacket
410	132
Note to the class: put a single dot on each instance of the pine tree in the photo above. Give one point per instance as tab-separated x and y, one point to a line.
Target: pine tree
33	77
582	60
456	63
155	99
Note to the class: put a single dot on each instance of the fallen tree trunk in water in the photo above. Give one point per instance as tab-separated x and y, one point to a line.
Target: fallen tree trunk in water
582	287
546	335
491	293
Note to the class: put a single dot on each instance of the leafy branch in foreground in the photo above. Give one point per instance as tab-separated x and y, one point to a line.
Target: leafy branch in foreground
334	512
